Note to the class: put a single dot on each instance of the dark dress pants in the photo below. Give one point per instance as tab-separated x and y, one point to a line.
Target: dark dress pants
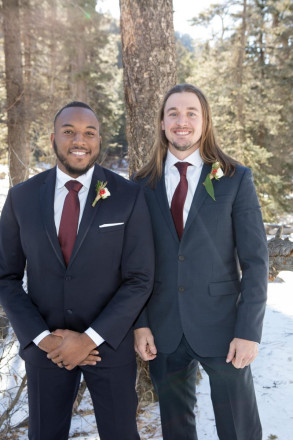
52	391
232	393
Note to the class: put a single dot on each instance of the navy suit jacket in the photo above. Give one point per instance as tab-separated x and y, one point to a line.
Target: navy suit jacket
109	276
210	286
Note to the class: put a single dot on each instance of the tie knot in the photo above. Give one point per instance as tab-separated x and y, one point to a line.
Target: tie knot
73	185
182	167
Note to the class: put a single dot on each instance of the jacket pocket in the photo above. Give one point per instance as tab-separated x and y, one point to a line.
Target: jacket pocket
231	287
112	228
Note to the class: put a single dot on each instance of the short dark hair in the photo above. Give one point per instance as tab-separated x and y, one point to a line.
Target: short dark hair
74	104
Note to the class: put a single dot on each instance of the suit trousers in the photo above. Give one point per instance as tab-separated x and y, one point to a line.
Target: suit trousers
52	392
232	393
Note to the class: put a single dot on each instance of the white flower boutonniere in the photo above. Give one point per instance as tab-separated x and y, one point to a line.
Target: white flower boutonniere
102	192
216	173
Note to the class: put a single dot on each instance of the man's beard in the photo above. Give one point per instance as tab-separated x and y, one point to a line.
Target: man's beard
70	169
183	147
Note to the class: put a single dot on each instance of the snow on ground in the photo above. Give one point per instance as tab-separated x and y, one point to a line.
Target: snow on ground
272	371
273	377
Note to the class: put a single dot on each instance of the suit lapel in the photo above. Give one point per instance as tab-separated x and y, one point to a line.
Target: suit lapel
47	193
198	198
89	212
161	195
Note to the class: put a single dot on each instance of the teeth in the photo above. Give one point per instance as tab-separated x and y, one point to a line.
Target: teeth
78	153
182	133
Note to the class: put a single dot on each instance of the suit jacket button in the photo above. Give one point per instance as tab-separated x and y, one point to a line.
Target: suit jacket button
181	289
181	258
67	278
69	311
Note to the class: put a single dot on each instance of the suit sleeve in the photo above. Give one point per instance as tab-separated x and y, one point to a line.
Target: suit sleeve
137	269
21	312
251	245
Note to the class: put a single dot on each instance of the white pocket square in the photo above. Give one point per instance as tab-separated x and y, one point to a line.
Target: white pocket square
108	225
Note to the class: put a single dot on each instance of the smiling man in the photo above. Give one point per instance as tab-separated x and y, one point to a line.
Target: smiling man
182	124
76	140
89	273
208	230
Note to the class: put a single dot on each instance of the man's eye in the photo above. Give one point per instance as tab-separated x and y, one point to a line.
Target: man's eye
68	132
191	114
173	115
90	133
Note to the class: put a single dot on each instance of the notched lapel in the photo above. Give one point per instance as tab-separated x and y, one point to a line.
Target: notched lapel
161	195
47	192
89	212
198	198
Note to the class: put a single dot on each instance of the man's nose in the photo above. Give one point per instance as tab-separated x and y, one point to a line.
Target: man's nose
181	119
78	139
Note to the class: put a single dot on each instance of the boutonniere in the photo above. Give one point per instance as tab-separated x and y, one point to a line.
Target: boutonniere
216	173
102	192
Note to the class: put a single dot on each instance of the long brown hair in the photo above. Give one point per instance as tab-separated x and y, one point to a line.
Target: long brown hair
209	149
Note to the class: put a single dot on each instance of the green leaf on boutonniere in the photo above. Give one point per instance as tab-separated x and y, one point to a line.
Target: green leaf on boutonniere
102	192
209	187
216	173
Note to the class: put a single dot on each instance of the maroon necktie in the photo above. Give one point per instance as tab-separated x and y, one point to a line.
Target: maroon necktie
69	219
179	197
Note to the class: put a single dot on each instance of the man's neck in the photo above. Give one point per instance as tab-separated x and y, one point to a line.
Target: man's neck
182	155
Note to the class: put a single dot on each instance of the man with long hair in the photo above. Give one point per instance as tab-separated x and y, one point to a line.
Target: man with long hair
209	295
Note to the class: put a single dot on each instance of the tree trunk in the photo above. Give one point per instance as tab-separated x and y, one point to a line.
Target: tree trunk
149	70
76	18
17	148
27	24
239	75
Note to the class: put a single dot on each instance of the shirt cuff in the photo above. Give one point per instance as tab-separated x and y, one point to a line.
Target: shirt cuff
98	340
39	338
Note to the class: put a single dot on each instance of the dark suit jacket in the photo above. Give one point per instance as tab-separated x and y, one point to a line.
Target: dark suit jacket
199	290
109	276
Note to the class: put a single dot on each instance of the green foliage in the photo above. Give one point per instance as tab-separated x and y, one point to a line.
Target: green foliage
185	57
249	87
70	52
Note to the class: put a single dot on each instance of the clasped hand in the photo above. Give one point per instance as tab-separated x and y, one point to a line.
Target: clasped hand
68	349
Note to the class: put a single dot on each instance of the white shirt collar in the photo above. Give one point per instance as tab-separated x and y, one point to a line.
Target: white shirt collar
194	158
84	179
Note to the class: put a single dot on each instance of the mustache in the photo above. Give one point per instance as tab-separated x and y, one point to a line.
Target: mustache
74	148
78	149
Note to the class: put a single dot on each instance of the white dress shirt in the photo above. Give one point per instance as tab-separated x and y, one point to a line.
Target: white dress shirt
172	178
60	193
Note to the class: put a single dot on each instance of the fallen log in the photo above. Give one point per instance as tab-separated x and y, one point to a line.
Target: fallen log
280	254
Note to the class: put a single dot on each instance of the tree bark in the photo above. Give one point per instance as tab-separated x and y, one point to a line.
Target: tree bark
280	254
149	70
16	122
240	73
76	18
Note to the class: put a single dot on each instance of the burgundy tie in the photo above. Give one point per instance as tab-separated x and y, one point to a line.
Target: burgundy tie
69	219
179	197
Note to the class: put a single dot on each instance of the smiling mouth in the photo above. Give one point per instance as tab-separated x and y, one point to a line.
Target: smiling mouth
182	132
78	153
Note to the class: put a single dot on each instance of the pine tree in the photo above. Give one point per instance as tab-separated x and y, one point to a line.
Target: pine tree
249	89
